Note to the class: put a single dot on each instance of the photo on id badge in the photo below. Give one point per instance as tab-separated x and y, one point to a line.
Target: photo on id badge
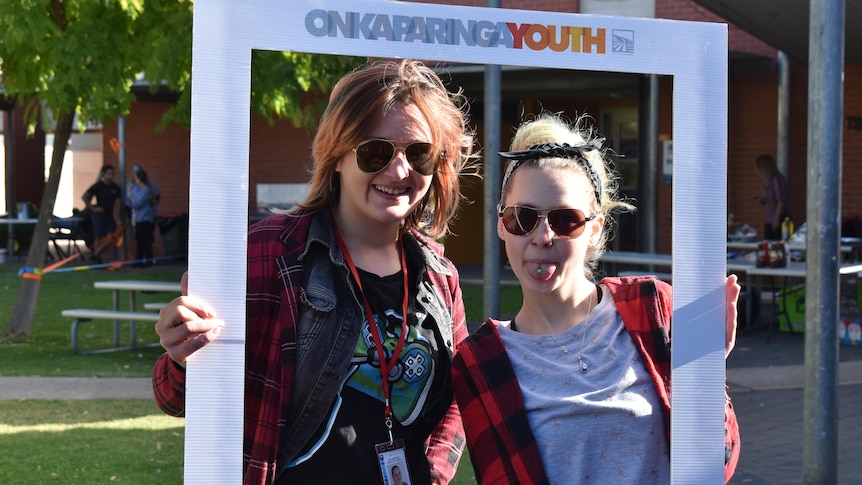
393	463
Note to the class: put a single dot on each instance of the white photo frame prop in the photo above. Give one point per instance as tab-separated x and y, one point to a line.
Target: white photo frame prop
225	33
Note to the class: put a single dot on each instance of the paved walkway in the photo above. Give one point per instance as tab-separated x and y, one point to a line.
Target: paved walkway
766	384
75	388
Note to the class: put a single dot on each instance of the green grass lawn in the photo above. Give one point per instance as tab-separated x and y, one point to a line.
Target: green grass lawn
99	441
105	440
86	442
48	352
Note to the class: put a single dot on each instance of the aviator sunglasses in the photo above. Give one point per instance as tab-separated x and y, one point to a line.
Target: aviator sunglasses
522	220
373	156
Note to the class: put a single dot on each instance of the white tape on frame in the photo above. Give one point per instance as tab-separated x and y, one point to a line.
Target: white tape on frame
225	33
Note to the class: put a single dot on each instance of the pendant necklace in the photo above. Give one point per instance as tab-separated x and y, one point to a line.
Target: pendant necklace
563	348
581	362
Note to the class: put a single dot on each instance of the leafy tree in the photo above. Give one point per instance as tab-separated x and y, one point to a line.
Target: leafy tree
79	59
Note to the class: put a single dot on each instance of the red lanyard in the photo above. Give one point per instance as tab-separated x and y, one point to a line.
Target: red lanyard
385	366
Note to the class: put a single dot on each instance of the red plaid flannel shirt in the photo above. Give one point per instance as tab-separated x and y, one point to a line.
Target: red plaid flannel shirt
502	446
272	310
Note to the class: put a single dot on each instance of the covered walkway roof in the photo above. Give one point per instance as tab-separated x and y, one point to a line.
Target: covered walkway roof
783	24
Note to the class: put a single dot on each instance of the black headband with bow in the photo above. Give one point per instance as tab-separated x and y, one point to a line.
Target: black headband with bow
557	150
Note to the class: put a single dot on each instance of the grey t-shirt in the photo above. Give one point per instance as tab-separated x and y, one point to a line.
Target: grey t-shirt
600	426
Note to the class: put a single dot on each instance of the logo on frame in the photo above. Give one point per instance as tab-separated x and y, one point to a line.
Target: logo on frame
623	41
478	33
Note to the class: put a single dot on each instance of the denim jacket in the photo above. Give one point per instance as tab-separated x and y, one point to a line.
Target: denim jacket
327	331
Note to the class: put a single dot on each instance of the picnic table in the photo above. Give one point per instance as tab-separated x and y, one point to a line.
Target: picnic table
133	287
117	314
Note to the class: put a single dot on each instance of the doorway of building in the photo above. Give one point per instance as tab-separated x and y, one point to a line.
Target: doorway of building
620	126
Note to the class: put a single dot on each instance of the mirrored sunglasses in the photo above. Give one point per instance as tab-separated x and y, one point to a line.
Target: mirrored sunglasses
373	156
522	220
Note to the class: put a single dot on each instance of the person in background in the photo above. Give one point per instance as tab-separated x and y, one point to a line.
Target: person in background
157	193
103	212
141	199
774	196
353	313
576	387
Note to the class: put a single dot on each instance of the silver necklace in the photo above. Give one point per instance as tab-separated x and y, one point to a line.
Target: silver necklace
581	362
563	348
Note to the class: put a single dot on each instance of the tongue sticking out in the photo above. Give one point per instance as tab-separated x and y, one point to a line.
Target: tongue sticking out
541	271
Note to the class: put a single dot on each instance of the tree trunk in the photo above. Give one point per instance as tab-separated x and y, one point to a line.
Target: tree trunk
28	294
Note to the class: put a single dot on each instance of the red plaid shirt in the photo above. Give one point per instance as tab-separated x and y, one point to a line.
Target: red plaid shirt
502	446
273	301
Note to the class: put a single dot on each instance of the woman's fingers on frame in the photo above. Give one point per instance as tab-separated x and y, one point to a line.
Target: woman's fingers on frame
183	340
182	309
733	290
179	325
184	283
185	325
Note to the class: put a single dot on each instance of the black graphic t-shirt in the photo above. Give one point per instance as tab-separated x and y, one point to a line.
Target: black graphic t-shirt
344	445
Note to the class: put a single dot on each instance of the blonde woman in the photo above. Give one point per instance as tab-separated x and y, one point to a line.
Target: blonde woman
575	388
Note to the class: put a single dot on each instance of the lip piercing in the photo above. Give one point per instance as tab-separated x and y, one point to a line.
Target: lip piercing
539	270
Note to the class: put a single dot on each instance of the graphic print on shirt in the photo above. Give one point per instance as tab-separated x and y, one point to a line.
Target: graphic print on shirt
410	378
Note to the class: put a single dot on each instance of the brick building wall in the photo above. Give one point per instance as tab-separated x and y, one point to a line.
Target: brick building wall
28	178
165	156
851	195
753	107
753	130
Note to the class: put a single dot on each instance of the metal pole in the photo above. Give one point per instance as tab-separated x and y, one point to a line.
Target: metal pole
10	164
825	102
121	154
648	164
491	270
782	151
491	262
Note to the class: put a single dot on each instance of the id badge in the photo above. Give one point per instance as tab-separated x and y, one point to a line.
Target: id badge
393	463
